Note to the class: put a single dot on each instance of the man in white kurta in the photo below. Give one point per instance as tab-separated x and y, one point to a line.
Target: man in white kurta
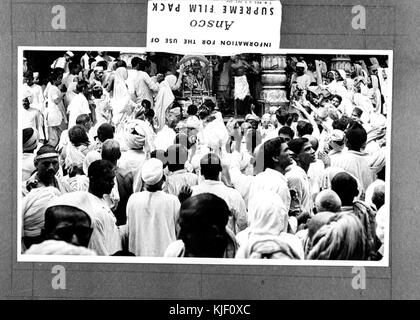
353	160
79	104
210	166
152	214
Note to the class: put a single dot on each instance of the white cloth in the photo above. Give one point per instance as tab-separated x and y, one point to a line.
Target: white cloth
79	105
32	118
241	89
356	163
144	87
59	247
34	205
271	180
106	238
151	222
164	99
28	167
175	180
121	99
298	180
371	189
165	138
37	96
54	112
233	199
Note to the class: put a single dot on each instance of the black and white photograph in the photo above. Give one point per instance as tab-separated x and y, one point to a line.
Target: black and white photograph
128	155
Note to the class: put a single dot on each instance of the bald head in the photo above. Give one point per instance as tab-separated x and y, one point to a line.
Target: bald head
327	200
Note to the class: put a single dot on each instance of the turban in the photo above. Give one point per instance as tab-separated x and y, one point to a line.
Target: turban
59	247
34	206
252	117
193	122
30	142
334	138
70	54
135	136
46	153
378	160
300	65
91	156
79	199
152	171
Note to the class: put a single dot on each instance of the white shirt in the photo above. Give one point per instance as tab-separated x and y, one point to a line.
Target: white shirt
105	239
355	163
165	138
79	105
298	180
37	96
151	222
31	118
233	199
53	112
144	87
175	180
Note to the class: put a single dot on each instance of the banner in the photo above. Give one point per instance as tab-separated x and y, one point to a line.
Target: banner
213	27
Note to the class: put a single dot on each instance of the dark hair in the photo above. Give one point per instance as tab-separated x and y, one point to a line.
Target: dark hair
55	73
146	104
269	150
202	221
100	168
143	64
339	98
346	187
356	136
342	123
73	65
282	116
81	85
287	131
78	135
50	218
105	131
192	110
135	61
102	63
296	145
304	127
358	111
120	63
28	74
110	151
46	148
210	166
82	119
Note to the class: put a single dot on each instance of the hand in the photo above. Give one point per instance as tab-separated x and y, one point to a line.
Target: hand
185	193
325	158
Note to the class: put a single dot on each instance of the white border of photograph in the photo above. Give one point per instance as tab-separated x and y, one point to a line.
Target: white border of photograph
209	261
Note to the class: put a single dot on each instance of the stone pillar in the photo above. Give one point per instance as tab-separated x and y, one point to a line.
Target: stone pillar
341	61
273	79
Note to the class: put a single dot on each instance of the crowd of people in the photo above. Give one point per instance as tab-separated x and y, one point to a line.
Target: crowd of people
113	165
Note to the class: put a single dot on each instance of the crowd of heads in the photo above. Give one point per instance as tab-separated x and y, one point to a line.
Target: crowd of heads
308	177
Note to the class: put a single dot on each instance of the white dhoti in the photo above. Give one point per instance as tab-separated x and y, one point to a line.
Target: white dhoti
241	87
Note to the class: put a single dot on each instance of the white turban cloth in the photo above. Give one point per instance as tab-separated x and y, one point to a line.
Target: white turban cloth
152	171
59	247
33	209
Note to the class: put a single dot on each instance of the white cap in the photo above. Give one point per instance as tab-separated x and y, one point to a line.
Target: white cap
152	171
300	65
70	54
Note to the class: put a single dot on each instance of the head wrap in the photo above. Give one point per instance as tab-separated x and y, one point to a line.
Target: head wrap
336	136
193	123
46	153
267	214
70	54
59	247
34	206
252	117
135	135
152	171
91	156
32	141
